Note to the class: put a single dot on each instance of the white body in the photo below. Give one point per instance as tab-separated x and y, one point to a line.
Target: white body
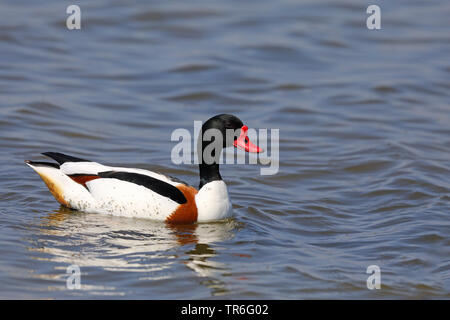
122	198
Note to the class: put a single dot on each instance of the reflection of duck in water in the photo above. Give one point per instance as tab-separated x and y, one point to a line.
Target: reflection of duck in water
95	188
133	245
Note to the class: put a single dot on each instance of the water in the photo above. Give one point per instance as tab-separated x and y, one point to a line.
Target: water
364	146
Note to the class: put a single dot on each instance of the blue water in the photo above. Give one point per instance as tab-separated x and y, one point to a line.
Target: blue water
364	146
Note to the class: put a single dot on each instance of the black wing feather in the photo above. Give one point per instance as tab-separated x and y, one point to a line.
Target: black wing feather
163	188
62	158
40	163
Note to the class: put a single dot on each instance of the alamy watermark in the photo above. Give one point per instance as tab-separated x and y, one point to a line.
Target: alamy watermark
373	22
74	279
189	148
374	280
73	22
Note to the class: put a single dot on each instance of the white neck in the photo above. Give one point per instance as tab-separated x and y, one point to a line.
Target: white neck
213	202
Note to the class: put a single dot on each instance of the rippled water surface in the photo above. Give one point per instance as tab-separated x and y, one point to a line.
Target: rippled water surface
364	146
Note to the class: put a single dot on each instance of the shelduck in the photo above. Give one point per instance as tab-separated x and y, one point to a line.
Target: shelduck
95	188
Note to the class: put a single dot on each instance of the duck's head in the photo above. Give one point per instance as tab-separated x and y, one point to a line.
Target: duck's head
228	124
232	132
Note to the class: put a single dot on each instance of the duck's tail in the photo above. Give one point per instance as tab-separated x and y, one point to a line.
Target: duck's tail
55	180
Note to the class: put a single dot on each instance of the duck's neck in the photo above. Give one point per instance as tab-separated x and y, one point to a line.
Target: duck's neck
212	198
208	170
208	173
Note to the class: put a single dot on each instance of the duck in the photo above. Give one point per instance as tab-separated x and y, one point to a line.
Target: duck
91	187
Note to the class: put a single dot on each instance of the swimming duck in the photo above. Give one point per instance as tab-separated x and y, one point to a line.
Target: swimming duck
96	188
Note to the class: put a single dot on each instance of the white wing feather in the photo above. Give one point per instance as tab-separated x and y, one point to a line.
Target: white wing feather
94	168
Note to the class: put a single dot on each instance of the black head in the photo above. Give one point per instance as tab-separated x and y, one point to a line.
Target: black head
233	133
222	122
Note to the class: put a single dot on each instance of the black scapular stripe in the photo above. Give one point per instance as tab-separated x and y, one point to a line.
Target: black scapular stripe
61	158
44	164
163	188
